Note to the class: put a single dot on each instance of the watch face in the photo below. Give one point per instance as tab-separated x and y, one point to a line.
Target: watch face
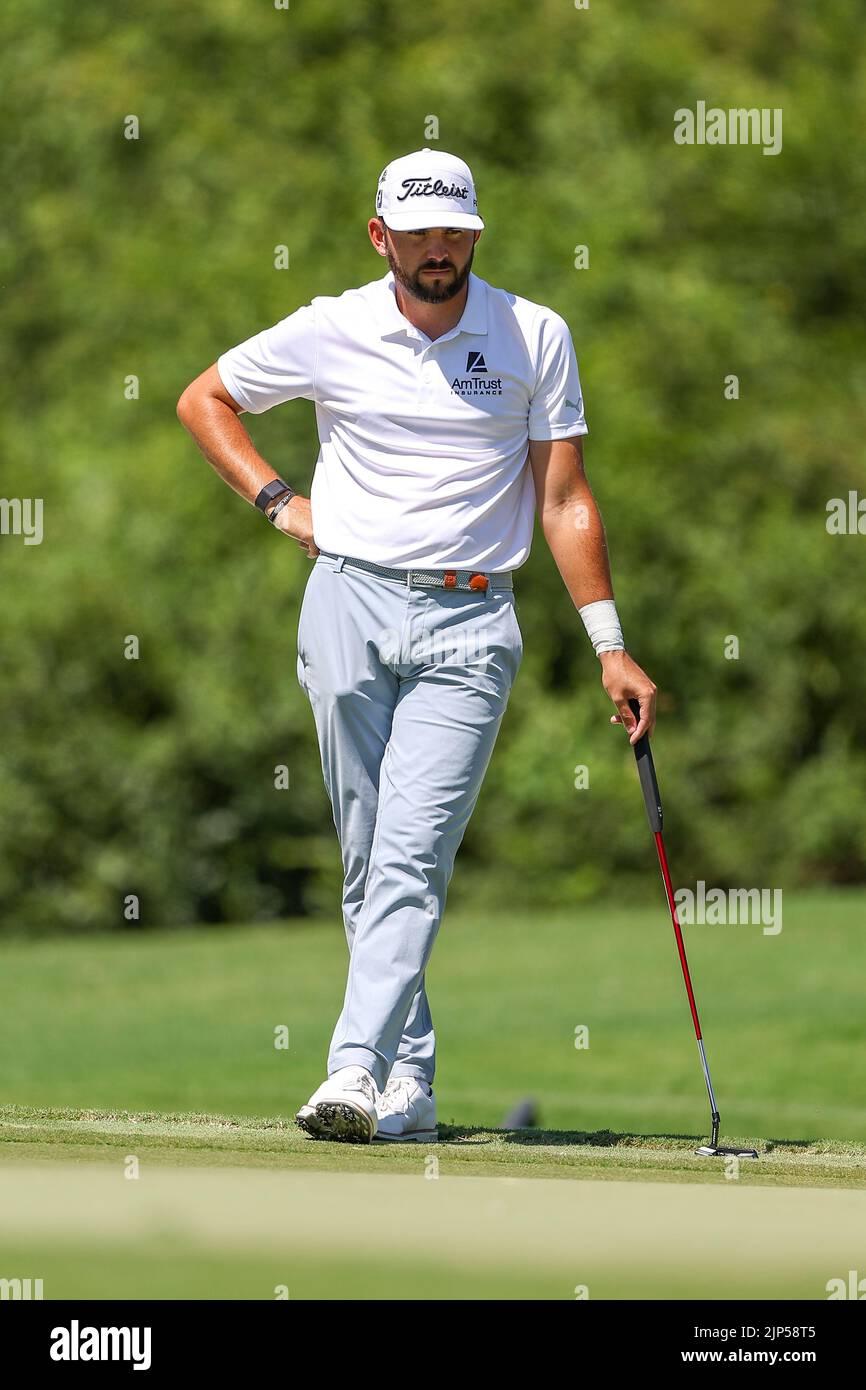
273	489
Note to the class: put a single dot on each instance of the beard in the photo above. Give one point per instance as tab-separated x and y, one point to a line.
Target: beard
424	287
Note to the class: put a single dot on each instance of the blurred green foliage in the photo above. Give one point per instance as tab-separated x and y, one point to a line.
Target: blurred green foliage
261	127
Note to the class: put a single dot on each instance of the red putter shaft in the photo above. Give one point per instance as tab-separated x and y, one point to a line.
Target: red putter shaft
663	860
653	802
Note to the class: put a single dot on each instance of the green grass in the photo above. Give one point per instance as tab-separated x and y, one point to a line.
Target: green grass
172	1273
159	1048
233	1141
129	1223
184	1021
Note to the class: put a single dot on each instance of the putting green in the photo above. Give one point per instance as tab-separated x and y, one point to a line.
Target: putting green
222	1140
89	1230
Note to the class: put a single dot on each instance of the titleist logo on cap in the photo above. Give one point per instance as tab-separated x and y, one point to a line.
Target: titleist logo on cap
423	187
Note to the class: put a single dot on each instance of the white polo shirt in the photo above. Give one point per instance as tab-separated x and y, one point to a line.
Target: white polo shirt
424	444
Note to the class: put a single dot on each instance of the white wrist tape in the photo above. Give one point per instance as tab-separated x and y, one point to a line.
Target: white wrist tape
602	626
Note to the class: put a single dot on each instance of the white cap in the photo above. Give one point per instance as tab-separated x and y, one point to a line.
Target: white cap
428	188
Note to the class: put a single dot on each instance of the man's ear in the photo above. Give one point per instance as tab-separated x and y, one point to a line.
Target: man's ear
379	226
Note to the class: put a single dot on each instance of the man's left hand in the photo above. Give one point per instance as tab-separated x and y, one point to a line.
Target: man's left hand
624	680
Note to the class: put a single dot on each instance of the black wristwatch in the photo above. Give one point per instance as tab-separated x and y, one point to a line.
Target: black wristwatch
270	492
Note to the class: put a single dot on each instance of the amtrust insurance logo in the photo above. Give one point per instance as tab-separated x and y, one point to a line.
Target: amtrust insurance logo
77	1343
478	381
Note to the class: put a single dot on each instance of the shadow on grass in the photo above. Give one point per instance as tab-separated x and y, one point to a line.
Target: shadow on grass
561	1138
611	1139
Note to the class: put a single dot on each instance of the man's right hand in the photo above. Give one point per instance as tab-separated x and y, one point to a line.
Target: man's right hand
296	520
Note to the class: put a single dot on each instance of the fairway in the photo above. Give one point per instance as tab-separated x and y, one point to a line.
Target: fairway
154	1054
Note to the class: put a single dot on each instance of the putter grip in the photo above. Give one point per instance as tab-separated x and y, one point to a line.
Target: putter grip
647	774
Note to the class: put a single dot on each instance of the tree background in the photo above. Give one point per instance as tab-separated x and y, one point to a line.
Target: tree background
149	257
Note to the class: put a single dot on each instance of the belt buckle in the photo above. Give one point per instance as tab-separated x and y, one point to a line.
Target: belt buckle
477	581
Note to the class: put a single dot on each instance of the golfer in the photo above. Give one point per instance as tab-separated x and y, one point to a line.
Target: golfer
447	410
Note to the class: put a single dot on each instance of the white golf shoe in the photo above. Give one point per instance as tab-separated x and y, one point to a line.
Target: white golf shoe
406	1114
343	1108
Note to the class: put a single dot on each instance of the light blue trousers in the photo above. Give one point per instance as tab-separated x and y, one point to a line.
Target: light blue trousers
408	686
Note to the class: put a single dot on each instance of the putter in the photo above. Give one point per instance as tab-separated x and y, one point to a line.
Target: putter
653	802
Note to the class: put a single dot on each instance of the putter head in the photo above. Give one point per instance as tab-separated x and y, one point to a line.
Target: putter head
719	1151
